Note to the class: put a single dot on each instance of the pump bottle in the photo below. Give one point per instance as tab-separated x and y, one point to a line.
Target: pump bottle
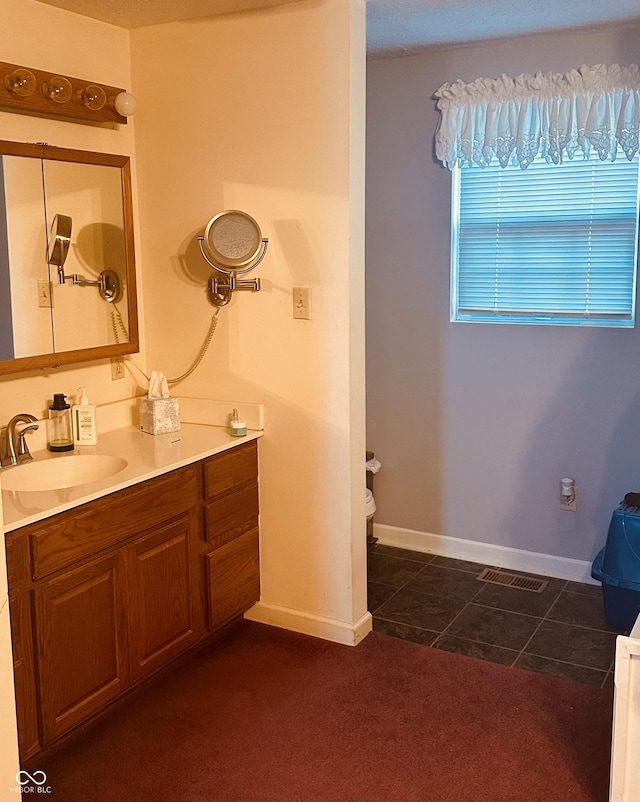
83	415
59	434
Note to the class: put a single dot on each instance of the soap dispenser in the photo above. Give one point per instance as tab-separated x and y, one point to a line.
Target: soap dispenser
83	415
59	432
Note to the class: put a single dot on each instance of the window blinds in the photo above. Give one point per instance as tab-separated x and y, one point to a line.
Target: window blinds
549	244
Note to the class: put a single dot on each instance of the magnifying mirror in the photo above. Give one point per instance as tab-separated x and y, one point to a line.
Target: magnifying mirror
232	244
108	283
233	241
59	240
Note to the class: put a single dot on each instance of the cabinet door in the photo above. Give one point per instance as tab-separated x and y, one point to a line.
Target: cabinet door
165	606
233	579
81	643
24	673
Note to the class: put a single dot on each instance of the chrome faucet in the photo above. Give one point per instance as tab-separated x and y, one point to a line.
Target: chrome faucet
16	449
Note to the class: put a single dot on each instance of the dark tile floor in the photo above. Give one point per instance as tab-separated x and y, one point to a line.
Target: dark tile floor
437	601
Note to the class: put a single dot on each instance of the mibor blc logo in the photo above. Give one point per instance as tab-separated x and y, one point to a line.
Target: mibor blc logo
35	783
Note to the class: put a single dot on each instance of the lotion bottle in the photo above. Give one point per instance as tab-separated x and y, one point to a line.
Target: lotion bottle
83	415
59	432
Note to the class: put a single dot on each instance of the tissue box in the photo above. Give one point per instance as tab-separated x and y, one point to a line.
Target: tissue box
159	415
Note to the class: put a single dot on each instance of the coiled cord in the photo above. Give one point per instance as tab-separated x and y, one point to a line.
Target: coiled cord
116	318
202	352
200	355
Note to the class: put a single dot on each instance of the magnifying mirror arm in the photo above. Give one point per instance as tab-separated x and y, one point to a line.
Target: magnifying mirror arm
232	283
108	283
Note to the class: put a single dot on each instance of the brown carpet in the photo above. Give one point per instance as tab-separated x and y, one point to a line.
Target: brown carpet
267	714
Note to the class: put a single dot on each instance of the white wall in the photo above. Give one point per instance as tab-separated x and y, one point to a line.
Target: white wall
475	424
264	112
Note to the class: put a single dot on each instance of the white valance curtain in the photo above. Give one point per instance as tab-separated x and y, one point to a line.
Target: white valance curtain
555	115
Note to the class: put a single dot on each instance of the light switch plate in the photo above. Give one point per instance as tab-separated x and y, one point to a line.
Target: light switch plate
44	293
302	303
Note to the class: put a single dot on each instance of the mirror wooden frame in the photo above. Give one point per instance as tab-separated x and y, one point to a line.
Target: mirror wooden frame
62	358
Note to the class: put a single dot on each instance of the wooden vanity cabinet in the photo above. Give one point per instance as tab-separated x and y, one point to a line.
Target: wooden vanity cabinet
80	643
233	578
24	672
164	601
106	594
231	532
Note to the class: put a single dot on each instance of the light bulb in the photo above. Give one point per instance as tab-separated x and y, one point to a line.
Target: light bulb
21	82
58	89
125	104
93	97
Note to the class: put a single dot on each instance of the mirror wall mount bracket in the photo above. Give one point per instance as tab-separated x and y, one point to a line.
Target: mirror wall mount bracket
108	283
31	91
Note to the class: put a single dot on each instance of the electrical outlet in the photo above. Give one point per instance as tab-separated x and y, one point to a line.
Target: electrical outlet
569	503
117	368
44	293
302	303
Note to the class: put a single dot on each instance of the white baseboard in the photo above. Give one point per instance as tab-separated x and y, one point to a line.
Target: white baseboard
308	624
486	553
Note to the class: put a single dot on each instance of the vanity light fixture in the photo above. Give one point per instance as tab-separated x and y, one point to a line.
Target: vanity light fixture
32	91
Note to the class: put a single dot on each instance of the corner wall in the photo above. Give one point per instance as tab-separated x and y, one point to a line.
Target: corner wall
475	424
264	112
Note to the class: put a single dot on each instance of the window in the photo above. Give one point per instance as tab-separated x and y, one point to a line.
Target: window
553	244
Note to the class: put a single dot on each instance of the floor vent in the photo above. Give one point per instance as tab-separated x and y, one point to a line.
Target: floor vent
512	580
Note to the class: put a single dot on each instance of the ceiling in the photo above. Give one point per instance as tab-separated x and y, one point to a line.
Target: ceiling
393	26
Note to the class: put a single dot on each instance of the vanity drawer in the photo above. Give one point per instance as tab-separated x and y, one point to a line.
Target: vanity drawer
233	579
234	467
81	533
232	515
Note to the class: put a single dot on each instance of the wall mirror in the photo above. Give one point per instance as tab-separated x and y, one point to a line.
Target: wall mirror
52	314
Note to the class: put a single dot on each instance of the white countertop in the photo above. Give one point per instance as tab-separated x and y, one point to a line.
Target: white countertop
147	456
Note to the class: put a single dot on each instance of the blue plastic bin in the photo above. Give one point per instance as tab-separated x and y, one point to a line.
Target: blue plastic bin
617	566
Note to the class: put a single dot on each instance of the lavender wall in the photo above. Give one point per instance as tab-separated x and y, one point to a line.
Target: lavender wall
476	423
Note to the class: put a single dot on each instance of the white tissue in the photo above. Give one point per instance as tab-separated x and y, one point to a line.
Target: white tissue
373	465
158	387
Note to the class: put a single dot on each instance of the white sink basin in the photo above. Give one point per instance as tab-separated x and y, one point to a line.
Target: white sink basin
61	472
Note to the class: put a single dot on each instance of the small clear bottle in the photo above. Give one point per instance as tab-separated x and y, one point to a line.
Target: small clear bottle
59	430
237	428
